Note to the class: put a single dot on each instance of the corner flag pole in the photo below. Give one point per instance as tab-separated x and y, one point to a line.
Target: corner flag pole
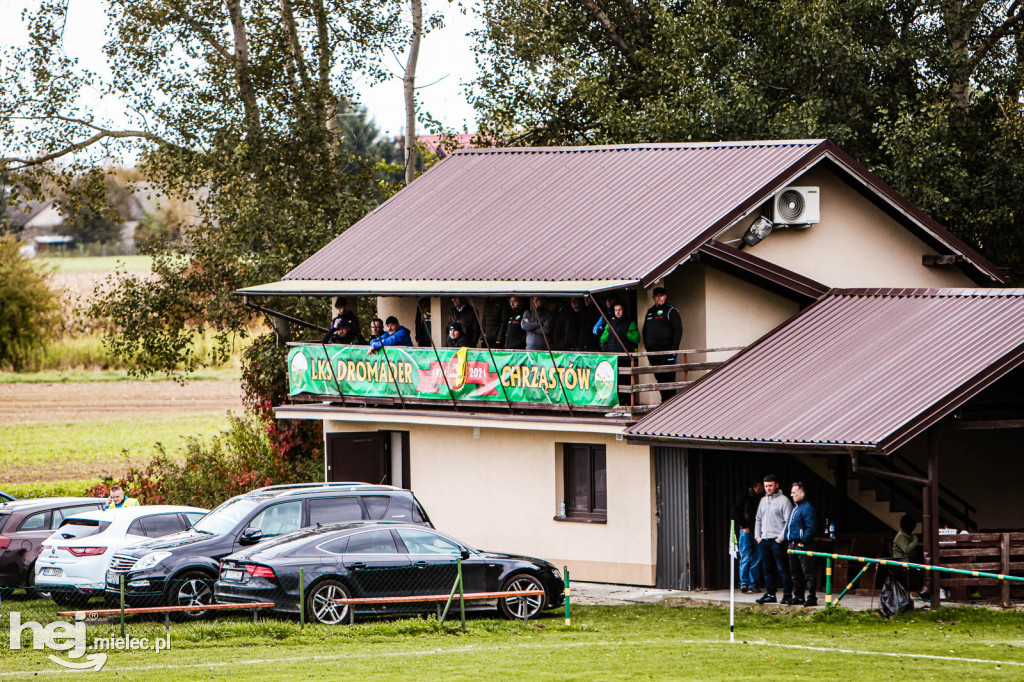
732	580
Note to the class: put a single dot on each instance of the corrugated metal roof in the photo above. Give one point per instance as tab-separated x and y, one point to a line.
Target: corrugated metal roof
866	368
426	287
555	213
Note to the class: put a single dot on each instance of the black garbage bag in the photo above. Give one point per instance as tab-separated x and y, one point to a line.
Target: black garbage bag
894	599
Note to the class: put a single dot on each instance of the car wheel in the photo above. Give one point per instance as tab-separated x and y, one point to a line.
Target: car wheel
320	606
31	591
521	607
193	588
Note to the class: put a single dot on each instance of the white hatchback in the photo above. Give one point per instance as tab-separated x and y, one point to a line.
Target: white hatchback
73	561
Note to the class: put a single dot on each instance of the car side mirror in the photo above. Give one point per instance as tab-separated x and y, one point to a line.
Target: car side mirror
464	553
250	536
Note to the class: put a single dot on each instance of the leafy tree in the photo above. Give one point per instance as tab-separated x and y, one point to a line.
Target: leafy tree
28	307
926	93
234	106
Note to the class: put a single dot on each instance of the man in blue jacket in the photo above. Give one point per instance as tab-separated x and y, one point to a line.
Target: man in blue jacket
396	335
800	530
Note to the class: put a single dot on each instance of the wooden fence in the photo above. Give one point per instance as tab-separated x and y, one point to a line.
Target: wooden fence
989	552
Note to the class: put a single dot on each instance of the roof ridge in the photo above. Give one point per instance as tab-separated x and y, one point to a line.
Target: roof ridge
635	146
947	292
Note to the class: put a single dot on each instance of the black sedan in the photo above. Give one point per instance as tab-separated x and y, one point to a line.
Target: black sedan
380	560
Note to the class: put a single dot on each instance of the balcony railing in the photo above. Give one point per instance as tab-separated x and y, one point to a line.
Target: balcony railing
479	378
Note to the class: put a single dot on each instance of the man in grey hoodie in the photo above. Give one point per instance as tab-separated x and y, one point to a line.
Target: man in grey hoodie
769	533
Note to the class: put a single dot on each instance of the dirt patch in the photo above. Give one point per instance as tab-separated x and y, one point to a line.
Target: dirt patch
86	401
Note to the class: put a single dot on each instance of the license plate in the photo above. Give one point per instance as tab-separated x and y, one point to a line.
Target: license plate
112	578
52	571
233	575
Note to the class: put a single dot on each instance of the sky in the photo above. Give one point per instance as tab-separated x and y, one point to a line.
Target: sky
445	64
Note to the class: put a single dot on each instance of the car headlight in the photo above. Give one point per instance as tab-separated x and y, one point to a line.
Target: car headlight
150	560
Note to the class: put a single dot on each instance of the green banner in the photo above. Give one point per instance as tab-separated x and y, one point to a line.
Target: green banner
468	373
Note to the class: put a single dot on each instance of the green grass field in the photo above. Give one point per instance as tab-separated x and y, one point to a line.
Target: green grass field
86	375
622	642
99	263
82	451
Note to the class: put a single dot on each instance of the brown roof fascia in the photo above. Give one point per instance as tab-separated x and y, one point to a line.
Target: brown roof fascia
812	156
917	220
758	445
868	184
748	266
954	400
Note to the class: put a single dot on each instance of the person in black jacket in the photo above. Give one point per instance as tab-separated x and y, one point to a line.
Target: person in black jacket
455	338
345	333
341	314
579	332
495	318
745	513
538	324
512	335
663	330
462	313
423	322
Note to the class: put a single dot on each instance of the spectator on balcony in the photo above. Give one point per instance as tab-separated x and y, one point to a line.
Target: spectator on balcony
538	325
580	320
455	338
396	335
341	312
559	312
376	329
495	318
423	322
463	313
620	335
663	330
512	335
344	334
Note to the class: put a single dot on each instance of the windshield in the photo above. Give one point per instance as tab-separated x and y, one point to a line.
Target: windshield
81	528
224	518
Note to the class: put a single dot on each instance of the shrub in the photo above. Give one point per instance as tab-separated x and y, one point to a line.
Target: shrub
235	461
28	306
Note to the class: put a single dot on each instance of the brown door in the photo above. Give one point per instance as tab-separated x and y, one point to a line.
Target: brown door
358	457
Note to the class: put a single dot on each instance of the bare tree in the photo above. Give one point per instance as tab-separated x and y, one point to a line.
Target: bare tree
410	91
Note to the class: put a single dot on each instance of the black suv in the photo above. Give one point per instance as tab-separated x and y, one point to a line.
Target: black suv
180	569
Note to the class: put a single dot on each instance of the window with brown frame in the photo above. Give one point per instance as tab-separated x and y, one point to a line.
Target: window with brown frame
586	482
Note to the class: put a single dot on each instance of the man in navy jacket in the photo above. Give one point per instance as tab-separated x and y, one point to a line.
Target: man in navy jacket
800	530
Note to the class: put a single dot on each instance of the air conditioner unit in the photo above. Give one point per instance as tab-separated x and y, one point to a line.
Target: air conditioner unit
796	206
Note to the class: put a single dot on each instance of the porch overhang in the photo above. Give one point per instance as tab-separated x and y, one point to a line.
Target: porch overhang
490	420
436	287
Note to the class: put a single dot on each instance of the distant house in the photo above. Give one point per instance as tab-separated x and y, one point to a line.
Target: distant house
38	225
886	330
41	227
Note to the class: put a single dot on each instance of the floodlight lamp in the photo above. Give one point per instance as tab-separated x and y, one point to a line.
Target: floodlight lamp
761	228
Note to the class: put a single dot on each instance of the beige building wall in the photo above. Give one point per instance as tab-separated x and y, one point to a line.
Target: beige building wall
500	489
719	310
855	245
739	313
402	307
